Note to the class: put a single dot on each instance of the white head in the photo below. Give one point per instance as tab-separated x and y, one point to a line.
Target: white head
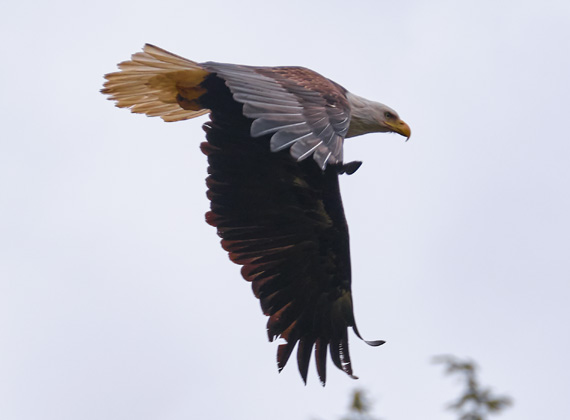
373	117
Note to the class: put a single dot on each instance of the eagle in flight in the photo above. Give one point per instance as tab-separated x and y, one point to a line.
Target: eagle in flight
275	151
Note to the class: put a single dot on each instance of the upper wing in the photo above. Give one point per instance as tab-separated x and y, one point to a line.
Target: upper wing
284	222
302	109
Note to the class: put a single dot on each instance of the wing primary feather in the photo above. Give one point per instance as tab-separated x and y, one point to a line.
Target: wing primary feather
252	107
324	164
373	343
289	143
321	360
264	99
274	129
283	353
304	351
308	152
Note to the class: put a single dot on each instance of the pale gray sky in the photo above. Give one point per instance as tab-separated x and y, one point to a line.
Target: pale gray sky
116	300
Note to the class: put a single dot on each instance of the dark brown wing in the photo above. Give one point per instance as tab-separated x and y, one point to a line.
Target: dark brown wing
283	221
303	110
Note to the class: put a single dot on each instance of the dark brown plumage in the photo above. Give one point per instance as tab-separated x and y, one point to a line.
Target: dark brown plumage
280	215
284	222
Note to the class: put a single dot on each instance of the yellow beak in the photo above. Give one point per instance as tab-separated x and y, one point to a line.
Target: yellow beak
400	127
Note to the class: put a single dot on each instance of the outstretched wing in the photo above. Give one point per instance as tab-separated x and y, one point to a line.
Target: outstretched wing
283	221
302	110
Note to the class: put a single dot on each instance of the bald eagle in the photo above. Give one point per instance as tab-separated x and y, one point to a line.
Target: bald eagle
275	151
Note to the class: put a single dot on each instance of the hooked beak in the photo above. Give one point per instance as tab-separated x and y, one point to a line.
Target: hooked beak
400	127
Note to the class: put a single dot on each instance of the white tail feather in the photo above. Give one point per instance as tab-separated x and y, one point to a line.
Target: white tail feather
149	84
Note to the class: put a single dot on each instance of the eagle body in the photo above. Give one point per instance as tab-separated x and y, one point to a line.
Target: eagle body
279	214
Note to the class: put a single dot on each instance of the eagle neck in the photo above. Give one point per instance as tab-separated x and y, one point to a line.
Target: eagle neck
363	116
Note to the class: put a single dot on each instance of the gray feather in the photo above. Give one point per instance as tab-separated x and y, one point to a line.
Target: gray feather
263	126
298	116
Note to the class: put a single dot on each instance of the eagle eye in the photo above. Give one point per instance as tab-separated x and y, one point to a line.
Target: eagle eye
388	115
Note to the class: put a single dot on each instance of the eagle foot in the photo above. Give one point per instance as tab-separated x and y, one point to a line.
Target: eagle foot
349	168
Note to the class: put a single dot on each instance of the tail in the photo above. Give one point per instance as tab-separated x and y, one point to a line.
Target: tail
159	84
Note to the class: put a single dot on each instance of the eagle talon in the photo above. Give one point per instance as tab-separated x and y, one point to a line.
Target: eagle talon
350	167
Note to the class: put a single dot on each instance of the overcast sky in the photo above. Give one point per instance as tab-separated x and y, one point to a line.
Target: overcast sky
116	299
